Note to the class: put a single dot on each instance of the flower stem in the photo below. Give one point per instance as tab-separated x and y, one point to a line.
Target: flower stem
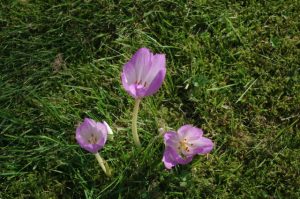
103	164
134	123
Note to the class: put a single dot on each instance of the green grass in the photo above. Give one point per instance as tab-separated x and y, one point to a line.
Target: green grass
232	69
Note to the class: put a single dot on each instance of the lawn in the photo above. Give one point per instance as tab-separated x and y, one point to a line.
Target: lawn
233	69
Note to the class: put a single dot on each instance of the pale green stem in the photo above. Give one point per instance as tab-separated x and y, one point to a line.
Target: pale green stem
134	123
103	164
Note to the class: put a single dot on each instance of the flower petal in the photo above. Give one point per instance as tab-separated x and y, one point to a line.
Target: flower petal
168	158
158	63
141	61
156	83
80	140
189	132
102	132
172	158
140	91
85	128
129	72
171	139
93	148
202	146
131	89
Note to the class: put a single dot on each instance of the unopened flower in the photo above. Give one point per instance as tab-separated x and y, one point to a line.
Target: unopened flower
144	73
91	135
110	134
183	145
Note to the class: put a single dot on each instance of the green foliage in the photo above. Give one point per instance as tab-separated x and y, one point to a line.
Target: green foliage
232	69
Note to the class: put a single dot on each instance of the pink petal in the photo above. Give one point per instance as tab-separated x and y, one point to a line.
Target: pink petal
131	89
202	146
189	132
168	159
89	123
102	131
172	158
158	63
85	128
171	139
156	83
141	91
129	72
93	148
141	61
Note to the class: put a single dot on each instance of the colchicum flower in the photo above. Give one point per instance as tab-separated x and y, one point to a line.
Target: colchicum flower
91	136
183	145
142	76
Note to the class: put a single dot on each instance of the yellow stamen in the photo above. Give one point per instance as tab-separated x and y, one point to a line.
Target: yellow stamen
183	145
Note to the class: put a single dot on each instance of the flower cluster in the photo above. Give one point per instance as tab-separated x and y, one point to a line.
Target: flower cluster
142	76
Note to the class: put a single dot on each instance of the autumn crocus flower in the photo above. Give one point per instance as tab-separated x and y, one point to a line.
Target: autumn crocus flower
144	73
183	145
92	136
142	76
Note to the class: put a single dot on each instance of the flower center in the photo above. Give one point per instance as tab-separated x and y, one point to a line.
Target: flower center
140	83
92	139
184	147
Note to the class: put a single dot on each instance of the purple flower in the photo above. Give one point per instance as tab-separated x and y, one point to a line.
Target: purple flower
183	145
143	75
91	135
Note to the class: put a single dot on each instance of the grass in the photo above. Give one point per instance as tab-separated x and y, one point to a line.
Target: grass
232	69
